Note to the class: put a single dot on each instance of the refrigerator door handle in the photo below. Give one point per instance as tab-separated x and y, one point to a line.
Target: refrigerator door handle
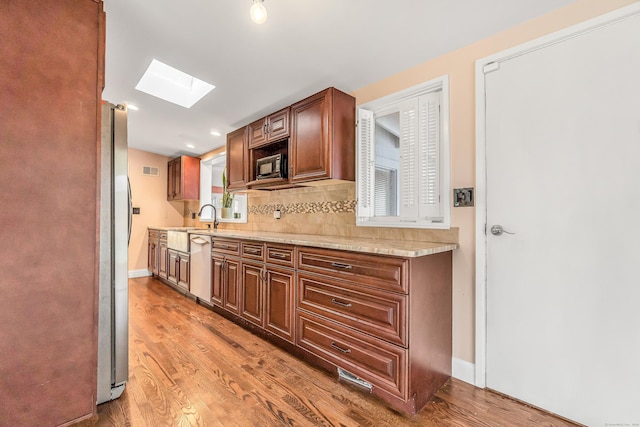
130	209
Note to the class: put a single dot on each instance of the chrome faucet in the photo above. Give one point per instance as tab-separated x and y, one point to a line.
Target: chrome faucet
215	214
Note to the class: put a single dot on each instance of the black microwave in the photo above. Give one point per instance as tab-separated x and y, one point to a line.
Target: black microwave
272	167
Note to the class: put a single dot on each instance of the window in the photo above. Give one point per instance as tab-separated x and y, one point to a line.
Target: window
211	191
403	158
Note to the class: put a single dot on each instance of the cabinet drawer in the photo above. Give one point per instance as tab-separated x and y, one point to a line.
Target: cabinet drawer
253	251
162	235
230	247
281	255
379	313
382	364
153	234
375	271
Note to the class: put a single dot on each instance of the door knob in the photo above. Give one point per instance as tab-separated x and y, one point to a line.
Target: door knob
497	230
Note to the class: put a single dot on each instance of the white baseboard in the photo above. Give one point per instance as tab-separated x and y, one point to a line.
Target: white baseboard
463	370
139	273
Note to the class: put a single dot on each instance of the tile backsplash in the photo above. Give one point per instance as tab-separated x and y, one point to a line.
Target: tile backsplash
327	209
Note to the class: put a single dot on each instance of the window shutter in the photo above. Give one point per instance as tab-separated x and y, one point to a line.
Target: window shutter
366	163
408	152
429	156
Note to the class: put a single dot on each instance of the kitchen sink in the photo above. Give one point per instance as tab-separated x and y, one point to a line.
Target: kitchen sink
178	240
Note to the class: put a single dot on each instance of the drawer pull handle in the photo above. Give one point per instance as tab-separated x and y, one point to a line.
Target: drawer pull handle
252	251
340	349
340	303
339	265
224	247
278	255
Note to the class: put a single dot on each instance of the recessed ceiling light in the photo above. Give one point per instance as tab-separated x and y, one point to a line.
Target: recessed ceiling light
165	82
132	107
215	133
190	145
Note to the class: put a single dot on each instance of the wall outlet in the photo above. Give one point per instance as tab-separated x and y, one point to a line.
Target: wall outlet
277	214
136	211
463	197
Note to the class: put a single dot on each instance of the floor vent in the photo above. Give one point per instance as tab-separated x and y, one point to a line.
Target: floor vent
150	170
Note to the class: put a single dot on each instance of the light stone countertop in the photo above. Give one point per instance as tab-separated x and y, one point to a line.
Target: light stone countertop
404	248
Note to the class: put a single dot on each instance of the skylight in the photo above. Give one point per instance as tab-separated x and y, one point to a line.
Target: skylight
165	82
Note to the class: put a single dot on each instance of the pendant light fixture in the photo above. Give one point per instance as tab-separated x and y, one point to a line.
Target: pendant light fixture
258	12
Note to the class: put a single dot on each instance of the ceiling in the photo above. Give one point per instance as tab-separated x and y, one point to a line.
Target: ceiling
305	46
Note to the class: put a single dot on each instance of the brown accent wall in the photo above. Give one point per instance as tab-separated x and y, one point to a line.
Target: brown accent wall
50	86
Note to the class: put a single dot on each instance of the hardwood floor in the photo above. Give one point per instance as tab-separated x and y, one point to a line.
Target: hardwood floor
188	366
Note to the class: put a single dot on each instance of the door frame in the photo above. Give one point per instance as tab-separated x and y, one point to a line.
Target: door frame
481	172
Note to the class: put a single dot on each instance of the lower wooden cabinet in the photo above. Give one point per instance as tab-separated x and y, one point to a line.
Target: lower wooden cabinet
256	282
252	292
225	286
376	361
279	300
153	252
379	321
178	268
385	321
163	259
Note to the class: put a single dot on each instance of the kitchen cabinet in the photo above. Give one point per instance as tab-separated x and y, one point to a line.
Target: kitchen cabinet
163	258
153	252
252	292
264	286
323	137
237	159
183	178
226	274
178	268
381	319
317	136
279	301
269	129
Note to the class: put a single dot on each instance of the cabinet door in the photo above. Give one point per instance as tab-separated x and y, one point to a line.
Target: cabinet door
171	179
323	137
277	125
183	178
189	178
237	158
217	280
172	266
183	270
152	254
252	290
257	133
310	138
279	305
163	260
231	285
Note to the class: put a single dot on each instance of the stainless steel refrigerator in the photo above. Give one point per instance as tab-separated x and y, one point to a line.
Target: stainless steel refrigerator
115	228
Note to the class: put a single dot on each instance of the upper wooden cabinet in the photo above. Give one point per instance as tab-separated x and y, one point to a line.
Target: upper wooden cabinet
317	135
183	178
323	137
237	158
269	129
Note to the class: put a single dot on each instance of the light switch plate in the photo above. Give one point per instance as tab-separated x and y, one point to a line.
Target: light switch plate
463	197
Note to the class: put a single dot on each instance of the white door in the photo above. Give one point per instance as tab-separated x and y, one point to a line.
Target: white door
563	175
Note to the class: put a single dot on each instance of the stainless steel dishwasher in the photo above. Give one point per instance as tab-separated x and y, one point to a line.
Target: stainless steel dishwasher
201	267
